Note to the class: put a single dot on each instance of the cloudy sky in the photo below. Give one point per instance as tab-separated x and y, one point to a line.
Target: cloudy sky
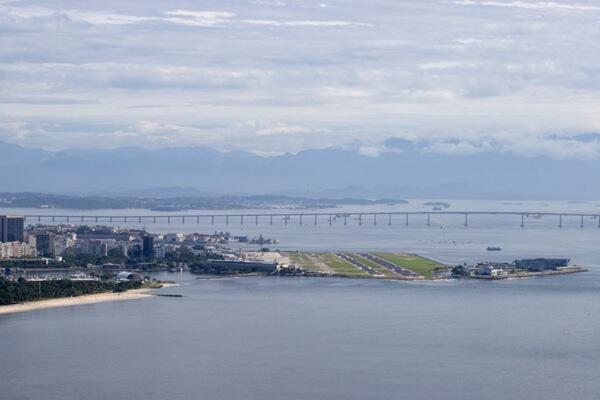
274	76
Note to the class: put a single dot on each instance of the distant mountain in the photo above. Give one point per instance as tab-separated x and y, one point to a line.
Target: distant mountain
407	171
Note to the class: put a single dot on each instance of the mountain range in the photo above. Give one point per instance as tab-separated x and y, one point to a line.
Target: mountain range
405	171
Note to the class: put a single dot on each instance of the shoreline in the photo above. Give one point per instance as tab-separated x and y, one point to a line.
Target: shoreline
95	298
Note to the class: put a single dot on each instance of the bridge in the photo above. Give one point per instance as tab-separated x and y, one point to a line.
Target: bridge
314	218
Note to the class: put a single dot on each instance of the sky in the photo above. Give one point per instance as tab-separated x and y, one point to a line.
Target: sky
276	76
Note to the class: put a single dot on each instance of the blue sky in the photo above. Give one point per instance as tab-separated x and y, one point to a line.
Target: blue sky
274	76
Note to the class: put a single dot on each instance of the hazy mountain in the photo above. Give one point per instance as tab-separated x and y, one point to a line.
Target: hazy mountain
405	171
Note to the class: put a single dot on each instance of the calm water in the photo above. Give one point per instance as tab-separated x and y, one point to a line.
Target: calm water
278	338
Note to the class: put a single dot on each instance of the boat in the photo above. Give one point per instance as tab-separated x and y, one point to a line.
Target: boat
494	248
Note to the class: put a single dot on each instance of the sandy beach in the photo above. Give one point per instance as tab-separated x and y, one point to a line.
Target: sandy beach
79	300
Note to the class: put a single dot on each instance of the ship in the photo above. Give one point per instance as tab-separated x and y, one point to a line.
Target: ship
494	248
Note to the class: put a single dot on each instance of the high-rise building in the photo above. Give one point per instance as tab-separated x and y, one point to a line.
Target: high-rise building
41	241
3	228
12	228
148	246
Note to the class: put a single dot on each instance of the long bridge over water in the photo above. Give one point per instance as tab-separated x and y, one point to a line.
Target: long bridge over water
315	218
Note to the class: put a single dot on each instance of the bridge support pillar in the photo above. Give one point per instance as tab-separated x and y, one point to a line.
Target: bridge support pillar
406	219
522	220
139	220
271	219
374	219
53	219
286	219
197	220
359	219
39	219
345	219
582	222
241	220
212	219
67	219
300	219
598	216
168	220
154	219
227	220
182	220
389	219
560	221
256	220
466	219
330	219
315	219
428	219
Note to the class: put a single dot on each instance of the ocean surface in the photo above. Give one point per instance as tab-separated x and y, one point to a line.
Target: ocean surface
307	338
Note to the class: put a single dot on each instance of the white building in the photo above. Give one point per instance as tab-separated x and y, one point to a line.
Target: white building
491	270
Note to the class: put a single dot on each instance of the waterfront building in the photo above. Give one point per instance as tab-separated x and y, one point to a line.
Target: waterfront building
128	276
12	228
542	264
491	270
239	266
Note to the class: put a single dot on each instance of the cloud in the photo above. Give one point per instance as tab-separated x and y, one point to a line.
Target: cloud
531	5
443	65
315	23
192	18
270	128
275	76
199	18
128	76
562	147
90	17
